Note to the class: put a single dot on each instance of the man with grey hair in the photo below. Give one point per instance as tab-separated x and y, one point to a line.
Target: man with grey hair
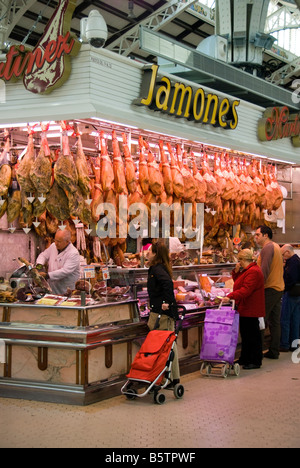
290	314
63	261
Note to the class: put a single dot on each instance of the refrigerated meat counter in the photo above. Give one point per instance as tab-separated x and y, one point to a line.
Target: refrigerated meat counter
81	354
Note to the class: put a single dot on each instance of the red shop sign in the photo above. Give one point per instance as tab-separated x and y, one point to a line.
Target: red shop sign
48	65
278	123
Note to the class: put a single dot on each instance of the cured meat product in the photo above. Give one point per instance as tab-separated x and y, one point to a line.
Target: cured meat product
200	183
156	183
190	188
14	203
212	186
277	190
57	203
24	167
107	172
97	193
52	74
65	172
82	168
219	176
5	169
131	179
78	207
5	179
166	170
178	183
260	187
38	208
3	208
240	192
143	168
41	169
26	212
118	165
52	222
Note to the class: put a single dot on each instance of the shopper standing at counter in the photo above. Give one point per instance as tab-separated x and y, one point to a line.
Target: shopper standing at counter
162	298
290	314
271	263
63	261
249	295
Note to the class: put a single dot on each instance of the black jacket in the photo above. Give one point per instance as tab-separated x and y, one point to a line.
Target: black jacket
292	272
160	290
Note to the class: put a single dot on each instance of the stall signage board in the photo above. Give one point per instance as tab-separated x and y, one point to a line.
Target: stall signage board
48	65
89	272
277	123
159	93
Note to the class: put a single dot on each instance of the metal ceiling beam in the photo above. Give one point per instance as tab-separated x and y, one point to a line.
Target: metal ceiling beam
11	13
129	41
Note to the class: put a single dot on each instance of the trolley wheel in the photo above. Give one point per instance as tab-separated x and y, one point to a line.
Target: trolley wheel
159	398
237	369
178	391
131	394
225	371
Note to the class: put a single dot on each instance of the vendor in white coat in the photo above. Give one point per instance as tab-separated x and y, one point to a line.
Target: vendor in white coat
63	261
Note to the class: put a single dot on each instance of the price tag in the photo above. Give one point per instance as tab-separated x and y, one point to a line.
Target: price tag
105	275
89	272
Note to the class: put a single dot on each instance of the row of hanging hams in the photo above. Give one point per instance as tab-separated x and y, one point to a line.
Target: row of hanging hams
65	187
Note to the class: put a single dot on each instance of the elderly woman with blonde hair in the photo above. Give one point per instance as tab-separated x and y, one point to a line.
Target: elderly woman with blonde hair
249	296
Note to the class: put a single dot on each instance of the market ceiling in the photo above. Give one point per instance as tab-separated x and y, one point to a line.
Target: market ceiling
27	22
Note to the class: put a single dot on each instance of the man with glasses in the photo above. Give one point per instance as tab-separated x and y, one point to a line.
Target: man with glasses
271	264
290	314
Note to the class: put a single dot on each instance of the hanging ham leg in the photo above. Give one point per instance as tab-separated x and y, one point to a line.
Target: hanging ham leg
82	167
107	172
65	171
143	168
97	194
190	188
24	167
41	170
118	165
155	176
178	184
166	170
131	178
200	182
5	169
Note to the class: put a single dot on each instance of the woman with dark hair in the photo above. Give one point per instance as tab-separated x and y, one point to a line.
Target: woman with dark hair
162	298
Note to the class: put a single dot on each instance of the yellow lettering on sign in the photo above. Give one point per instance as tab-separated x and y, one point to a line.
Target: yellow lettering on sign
211	98
223	110
199	94
234	122
184	101
163	90
149	99
183	90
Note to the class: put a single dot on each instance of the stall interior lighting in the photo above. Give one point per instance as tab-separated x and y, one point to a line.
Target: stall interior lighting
95	124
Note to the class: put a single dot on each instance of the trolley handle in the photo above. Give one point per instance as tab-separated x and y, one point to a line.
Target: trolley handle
231	301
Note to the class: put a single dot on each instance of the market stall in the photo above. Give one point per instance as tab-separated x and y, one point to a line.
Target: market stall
99	158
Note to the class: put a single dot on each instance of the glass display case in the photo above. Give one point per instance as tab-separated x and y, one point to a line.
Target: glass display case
195	287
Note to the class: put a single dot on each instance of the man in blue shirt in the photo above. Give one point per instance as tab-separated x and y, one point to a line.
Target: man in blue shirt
290	316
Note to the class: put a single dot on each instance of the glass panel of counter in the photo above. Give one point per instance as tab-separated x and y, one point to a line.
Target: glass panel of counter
195	286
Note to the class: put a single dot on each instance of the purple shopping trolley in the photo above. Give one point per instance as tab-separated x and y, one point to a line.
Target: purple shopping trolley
220	337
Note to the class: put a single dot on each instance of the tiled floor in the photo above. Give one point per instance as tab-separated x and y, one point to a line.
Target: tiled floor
261	408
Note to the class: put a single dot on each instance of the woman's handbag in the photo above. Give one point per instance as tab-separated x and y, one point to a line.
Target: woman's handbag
295	291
